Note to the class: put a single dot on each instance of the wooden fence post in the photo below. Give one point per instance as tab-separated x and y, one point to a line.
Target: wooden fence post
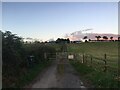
83	58
105	56
45	55
91	60
86	59
105	67
75	56
80	57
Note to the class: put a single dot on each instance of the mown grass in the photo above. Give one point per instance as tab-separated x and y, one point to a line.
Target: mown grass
98	50
95	73
95	48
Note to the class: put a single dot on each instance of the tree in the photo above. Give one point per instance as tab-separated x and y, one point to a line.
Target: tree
68	40
85	37
98	37
111	38
12	46
16	57
118	38
61	40
12	57
105	37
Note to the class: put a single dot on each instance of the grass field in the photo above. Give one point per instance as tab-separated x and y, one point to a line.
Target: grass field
98	50
95	48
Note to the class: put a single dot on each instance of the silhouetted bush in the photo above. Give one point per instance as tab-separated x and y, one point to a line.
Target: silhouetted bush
16	57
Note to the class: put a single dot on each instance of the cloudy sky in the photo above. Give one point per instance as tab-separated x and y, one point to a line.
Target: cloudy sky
45	20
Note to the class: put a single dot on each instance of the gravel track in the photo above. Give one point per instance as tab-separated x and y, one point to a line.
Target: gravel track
59	75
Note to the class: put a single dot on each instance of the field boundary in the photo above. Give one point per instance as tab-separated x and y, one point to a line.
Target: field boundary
102	64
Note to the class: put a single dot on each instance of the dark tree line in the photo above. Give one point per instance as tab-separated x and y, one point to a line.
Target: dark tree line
15	57
104	38
61	40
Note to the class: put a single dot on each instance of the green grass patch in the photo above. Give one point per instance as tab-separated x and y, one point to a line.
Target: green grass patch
98	50
98	78
95	48
60	69
81	68
103	79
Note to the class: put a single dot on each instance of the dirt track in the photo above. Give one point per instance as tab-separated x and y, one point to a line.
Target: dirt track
59	75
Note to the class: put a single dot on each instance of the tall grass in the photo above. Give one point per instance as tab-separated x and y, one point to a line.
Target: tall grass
31	74
98	79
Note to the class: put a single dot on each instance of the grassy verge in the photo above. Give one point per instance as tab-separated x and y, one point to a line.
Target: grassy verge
60	69
98	78
31	74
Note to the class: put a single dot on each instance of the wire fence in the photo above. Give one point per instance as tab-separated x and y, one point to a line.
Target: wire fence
104	63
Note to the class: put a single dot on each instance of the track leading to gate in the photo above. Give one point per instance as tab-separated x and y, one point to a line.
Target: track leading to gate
59	75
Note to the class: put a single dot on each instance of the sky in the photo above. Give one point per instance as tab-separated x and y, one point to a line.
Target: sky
60	0
46	20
